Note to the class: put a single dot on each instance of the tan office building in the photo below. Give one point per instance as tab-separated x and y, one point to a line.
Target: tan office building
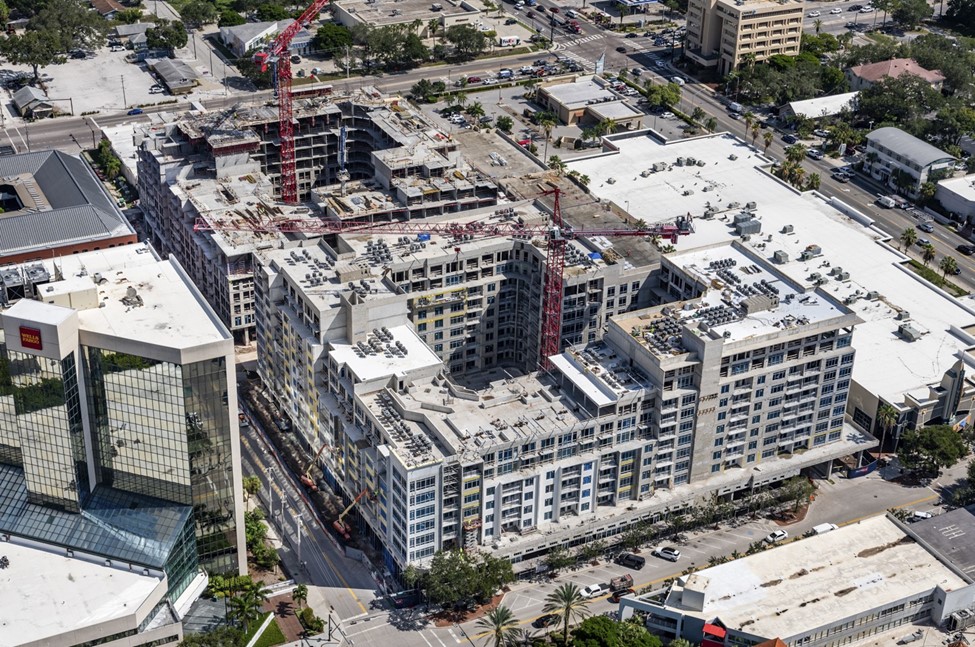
722	33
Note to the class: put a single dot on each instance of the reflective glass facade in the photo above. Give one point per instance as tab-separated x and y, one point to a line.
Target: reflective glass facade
163	430
41	427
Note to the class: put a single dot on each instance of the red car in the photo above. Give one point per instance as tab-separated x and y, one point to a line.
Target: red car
473	79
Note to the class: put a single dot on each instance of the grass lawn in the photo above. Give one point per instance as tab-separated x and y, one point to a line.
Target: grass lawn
271	636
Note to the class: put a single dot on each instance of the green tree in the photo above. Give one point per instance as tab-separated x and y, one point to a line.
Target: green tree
71	23
767	139
35	48
597	631
270	11
422	91
331	38
500	625
594	549
795	153
910	13
962	13
558	558
928	253
886	419
699	115
128	16
456	576
556	164
4	12
931	449
198	13
230	18
474	110
246	605
300	594
219	637
468	42
505	123
632	633
168	35
909	237
906	100
252	485
567	602
948	265
927	192
711	124
813	182
547	121
680	642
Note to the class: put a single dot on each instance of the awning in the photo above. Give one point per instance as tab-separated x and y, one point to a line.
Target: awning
714	630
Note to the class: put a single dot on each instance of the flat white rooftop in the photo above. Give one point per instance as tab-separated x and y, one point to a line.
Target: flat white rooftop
813	582
582	92
173	314
886	365
44	595
963	187
399	352
739	278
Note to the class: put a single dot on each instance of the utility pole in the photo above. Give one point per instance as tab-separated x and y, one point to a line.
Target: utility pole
297	519
125	104
270	488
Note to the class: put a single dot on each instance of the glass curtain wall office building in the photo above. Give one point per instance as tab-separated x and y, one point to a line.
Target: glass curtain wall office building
118	424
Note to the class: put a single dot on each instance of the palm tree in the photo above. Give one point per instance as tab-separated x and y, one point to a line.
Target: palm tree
818	24
584	180
606	126
475	110
928	253
547	121
699	115
798	173
246	605
768	138
795	153
434	26
501	627
909	237
948	265
566	601
749	118
886	418
460	98
813	182
755	130
556	164
300	595
711	124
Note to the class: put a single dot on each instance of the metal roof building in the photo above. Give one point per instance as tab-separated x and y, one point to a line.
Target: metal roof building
53	205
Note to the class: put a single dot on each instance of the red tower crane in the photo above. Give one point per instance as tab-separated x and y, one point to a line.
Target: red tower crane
277	54
556	234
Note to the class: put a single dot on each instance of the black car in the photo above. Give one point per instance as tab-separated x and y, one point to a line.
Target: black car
967	250
632	34
621	49
547	620
296	59
854	7
790	139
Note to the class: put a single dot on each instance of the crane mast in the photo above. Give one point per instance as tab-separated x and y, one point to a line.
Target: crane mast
277	55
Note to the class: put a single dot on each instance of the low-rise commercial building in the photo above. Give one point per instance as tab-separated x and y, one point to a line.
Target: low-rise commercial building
832	589
820	107
903	162
32	103
957	196
415	14
245	38
723	33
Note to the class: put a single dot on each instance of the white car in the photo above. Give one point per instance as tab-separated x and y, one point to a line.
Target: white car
867	9
677	80
594	590
835	10
776	536
813	14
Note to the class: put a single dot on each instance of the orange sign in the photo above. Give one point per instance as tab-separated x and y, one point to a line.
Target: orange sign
31	338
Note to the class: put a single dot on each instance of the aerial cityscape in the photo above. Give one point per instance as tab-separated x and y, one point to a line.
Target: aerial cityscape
500	323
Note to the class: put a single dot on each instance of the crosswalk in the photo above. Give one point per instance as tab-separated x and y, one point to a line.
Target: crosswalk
560	45
586	64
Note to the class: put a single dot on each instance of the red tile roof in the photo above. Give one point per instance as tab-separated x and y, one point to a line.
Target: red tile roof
105	7
894	68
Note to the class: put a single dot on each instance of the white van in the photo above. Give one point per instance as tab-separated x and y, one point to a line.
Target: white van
677	80
824	528
886	201
571	14
737	108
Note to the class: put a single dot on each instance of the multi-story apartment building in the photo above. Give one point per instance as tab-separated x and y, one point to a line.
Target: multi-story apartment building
723	33
361	156
476	304
740	383
118	417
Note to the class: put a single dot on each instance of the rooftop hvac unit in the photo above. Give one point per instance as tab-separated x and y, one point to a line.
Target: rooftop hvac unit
788	229
873	295
908	332
961	620
780	256
903	315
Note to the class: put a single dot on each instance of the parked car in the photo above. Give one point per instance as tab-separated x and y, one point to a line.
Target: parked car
814	14
548	620
629	560
824	528
790	139
296	59
511	21
615	598
854	7
819	132
775	536
918	515
594	590
677	80
835	10
814	153
669	553
840	177
473	79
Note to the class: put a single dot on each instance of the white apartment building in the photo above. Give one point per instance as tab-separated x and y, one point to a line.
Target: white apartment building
739	383
723	33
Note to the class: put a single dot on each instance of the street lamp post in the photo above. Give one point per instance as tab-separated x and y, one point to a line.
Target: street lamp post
270	488
298	519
